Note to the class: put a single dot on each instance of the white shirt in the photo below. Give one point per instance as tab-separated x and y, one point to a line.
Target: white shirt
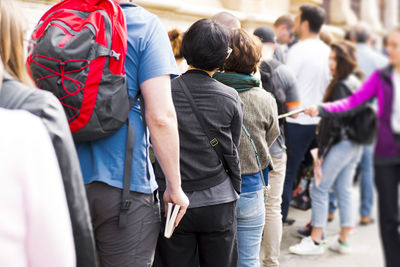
309	62
35	227
395	118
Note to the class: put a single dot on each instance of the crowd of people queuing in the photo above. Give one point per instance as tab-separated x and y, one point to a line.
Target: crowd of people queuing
212	95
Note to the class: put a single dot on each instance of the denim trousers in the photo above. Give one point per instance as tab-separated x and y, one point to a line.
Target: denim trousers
338	168
366	183
367	180
250	225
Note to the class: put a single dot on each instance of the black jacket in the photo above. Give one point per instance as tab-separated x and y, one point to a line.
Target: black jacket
15	95
332	130
221	108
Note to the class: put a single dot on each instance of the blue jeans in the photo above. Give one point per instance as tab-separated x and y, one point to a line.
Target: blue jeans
338	168
366	183
250	225
300	139
332	202
367	180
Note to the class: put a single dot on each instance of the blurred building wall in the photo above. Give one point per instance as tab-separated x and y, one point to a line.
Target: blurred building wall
380	14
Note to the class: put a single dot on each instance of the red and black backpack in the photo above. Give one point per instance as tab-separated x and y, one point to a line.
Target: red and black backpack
78	55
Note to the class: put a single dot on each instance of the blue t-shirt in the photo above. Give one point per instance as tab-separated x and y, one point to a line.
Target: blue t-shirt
149	55
253	182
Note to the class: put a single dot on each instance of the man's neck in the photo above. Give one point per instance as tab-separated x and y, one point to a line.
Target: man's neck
309	35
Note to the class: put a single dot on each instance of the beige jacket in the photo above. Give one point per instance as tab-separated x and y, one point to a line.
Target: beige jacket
260	117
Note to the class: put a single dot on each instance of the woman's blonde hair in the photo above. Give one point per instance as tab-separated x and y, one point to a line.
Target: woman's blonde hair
12	42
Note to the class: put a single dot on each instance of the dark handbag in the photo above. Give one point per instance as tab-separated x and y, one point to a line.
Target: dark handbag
228	161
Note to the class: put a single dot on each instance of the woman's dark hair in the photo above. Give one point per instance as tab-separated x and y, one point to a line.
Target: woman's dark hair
315	16
246	53
205	45
346	64
175	37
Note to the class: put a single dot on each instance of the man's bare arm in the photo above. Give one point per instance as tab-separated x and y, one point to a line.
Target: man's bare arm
162	122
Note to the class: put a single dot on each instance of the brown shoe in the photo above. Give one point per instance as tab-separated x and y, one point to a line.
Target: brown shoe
366	220
331	216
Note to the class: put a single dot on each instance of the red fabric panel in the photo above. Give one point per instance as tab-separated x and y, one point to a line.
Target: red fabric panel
89	97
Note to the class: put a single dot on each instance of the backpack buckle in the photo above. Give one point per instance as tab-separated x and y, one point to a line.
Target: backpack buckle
125	205
115	54
214	142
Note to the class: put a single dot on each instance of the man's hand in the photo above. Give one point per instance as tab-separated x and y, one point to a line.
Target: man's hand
312	111
176	196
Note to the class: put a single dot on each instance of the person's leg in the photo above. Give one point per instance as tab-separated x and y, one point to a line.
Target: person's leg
299	140
387	181
217	235
250	225
344	192
367	182
180	249
332	205
334	162
272	236
131	246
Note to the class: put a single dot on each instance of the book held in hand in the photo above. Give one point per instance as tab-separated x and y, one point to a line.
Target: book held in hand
172	213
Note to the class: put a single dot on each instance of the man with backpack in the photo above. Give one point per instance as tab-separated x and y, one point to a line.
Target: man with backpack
278	80
84	66
149	64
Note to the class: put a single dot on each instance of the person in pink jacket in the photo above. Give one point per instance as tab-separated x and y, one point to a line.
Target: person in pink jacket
384	85
35	229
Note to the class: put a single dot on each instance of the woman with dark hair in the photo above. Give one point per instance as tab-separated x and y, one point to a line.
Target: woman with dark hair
209	122
384	85
260	129
338	157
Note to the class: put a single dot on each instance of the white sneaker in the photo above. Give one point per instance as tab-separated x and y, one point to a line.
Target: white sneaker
307	247
342	248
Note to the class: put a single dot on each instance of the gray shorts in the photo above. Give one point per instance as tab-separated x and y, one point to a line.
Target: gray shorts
132	246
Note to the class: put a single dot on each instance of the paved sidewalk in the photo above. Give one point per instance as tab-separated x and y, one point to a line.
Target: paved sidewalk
365	243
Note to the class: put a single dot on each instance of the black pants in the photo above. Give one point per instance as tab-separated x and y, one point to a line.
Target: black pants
387	179
211	229
300	139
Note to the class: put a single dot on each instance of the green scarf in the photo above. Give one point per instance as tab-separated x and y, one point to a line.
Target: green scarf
240	82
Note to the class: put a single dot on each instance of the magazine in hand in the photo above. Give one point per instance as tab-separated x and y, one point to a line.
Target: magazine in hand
291	113
172	213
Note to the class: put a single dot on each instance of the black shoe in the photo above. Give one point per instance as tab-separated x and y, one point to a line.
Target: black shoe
289	221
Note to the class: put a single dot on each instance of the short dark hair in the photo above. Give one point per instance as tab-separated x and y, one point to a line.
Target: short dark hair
315	16
205	45
360	33
246	53
284	20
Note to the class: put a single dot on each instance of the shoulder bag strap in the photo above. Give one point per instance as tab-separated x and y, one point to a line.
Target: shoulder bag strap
256	153
213	140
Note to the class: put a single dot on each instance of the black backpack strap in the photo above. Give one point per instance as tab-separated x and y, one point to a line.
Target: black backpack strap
212	140
126	201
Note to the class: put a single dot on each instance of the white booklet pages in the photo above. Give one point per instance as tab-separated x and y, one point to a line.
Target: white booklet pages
172	213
